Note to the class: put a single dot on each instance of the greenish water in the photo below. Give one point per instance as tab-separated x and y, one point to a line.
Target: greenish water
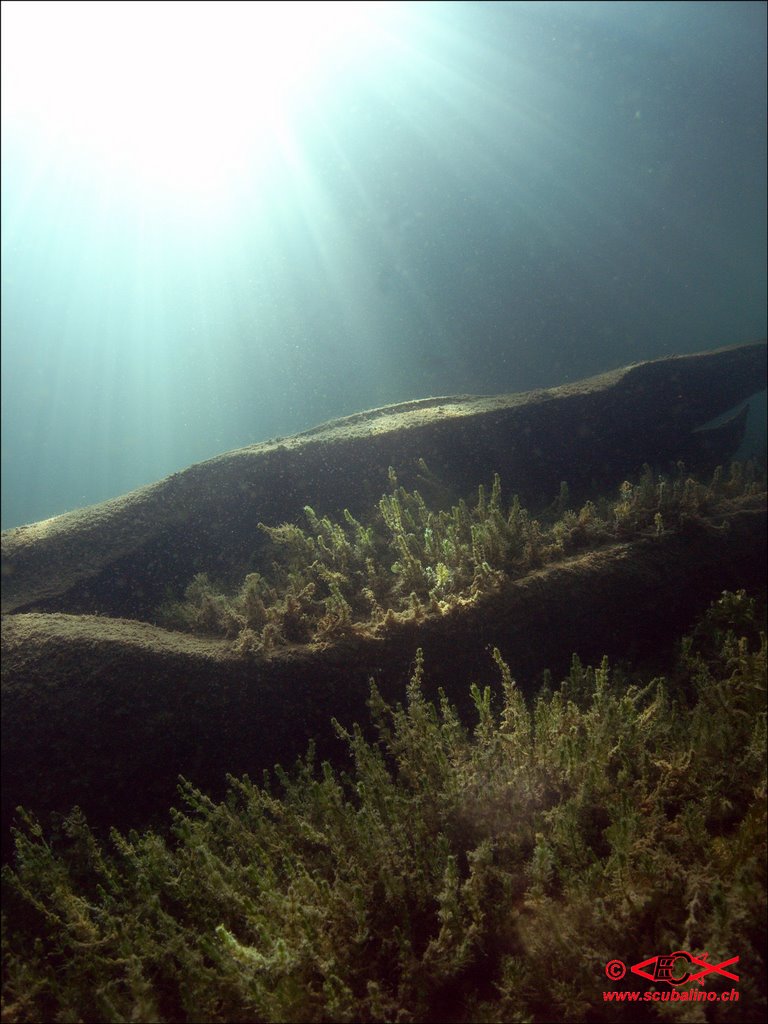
243	228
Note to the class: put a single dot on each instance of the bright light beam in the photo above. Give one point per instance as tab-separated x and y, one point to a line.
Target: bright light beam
175	95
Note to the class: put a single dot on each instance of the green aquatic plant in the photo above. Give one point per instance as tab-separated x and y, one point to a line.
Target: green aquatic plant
333	577
479	871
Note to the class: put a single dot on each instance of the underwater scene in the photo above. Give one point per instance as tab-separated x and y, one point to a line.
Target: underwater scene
384	509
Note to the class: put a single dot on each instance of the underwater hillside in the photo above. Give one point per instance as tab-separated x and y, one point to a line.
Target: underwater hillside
526	734
384	511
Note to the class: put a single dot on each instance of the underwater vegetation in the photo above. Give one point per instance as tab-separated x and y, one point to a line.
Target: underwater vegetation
480	872
339	576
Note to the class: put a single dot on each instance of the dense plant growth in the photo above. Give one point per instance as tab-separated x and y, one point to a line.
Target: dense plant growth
481	873
340	576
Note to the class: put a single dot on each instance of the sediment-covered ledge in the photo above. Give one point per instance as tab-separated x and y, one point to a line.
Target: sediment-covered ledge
119	557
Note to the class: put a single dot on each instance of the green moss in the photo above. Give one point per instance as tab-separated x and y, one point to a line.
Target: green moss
471	873
337	577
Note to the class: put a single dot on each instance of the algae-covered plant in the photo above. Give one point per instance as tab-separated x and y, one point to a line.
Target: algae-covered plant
336	576
479	873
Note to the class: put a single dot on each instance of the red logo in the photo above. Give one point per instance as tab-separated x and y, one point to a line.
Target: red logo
667	968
